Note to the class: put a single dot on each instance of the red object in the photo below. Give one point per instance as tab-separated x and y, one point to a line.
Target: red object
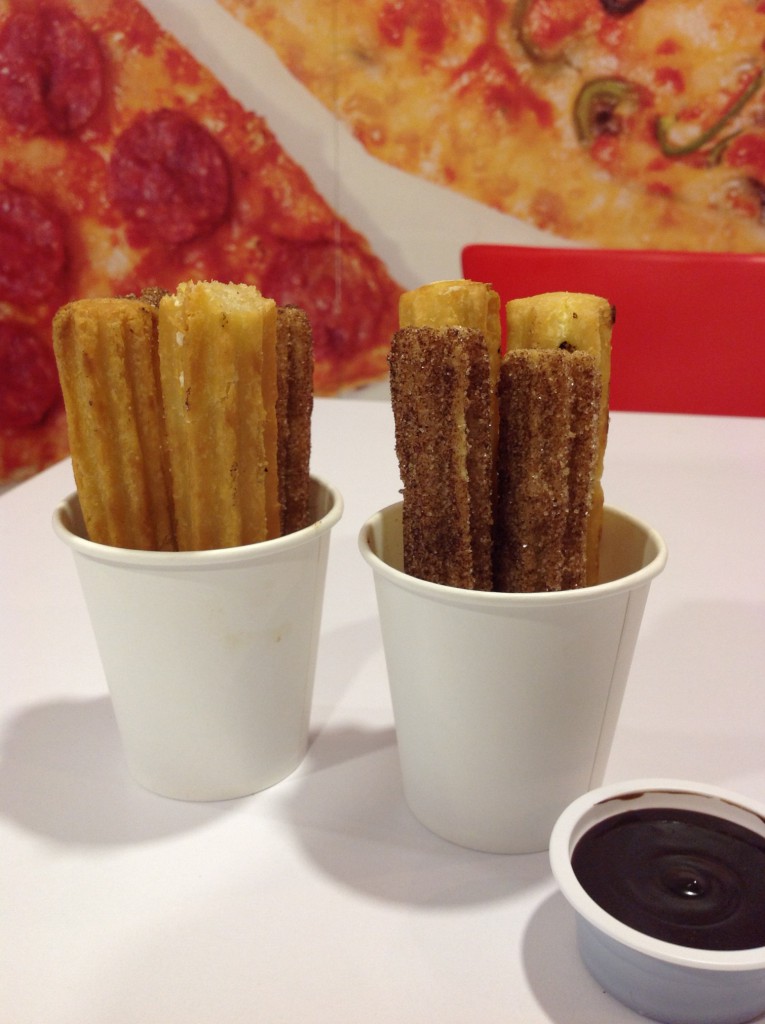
689	335
51	71
29	385
170	177
32	248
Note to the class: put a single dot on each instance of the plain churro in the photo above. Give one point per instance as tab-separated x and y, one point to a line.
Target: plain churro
218	368
106	351
189	415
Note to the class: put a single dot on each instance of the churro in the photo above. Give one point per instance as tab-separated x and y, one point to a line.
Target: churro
458	303
189	415
549	402
501	460
106	351
441	397
572	321
218	371
294	407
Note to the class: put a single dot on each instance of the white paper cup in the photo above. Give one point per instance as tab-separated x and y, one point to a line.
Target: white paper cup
209	656
505	705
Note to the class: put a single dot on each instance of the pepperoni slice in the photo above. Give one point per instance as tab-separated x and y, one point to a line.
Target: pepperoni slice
51	71
335	285
170	178
28	377
32	248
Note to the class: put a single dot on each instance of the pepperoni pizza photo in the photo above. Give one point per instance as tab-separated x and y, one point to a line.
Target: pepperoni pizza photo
125	164
618	123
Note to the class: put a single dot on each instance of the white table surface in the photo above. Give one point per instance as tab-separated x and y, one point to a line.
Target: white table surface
323	899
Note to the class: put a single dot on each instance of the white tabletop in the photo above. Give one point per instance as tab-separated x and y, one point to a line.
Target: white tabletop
323	899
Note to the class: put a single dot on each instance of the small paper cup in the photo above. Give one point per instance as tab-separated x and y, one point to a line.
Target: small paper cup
505	705
661	980
209	656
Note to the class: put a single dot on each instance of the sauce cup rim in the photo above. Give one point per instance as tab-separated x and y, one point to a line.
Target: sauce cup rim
602	803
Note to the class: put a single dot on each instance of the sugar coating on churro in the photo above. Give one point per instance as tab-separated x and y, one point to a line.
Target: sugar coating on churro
294	408
106	352
441	399
549	404
575	322
458	303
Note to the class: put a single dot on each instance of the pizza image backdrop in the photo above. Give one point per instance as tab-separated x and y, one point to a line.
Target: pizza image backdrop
335	152
622	123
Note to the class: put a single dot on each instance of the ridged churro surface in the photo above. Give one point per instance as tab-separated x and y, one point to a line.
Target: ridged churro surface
106	351
294	407
441	398
218	372
458	303
575	322
549	402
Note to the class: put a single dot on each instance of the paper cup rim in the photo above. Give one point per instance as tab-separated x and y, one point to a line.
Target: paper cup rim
488	598
560	850
210	557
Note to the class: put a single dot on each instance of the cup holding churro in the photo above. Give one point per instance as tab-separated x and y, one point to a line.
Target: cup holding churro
505	705
510	598
209	656
199	536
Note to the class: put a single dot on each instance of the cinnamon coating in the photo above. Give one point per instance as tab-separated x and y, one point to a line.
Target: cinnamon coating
573	321
441	397
549	405
294	408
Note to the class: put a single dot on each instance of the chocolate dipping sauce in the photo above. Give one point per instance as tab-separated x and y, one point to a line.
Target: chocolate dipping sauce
682	876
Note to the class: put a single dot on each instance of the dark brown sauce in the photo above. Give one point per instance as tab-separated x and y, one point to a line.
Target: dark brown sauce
682	876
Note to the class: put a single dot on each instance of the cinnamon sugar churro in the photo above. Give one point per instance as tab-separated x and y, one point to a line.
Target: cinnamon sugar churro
294	408
441	397
548	435
531	446
459	303
575	322
444	370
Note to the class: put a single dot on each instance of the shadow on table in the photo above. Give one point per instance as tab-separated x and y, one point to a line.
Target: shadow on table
556	975
347	806
348	811
62	775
